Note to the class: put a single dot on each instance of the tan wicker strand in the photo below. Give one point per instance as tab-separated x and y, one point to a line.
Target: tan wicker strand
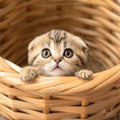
97	22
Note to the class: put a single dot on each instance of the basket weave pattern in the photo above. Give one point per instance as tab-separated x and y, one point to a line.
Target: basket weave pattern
60	98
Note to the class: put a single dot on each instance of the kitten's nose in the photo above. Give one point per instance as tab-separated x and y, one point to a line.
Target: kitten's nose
57	60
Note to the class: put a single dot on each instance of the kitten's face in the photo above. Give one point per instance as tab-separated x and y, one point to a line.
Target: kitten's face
57	53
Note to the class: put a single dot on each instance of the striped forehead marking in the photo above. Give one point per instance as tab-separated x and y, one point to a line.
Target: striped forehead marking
57	35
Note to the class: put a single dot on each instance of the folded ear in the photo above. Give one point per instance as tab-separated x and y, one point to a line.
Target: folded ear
31	46
82	44
33	43
82	49
85	48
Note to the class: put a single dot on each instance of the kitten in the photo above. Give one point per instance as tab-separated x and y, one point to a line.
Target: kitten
56	53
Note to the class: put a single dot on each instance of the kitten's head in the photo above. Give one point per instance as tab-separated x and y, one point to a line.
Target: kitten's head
57	53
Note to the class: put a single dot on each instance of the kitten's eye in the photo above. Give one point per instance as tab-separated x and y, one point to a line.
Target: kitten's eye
68	53
46	53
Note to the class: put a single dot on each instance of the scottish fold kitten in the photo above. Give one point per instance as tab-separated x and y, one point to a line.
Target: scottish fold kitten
56	53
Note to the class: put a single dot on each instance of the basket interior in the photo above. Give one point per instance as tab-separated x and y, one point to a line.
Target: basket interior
22	21
96	22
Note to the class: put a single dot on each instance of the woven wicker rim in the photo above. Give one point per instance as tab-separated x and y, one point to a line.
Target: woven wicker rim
60	85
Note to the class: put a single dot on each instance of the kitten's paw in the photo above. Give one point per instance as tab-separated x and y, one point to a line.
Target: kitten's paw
84	74
28	73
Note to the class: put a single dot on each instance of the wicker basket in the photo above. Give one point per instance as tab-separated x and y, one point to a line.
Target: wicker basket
60	98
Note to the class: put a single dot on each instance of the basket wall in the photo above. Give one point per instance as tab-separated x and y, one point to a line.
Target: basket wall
60	98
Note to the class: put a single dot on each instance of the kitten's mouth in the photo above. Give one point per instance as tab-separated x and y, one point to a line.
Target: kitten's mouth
57	68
